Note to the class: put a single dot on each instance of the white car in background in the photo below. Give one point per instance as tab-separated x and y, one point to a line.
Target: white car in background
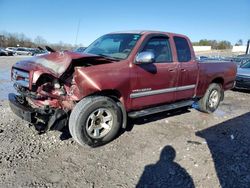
22	51
11	49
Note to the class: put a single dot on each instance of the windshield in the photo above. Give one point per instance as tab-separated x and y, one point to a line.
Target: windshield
246	64
116	46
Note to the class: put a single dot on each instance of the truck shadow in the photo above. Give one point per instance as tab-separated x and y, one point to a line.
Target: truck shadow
165	173
229	145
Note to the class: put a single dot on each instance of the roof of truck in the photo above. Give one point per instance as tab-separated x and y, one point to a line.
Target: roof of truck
146	32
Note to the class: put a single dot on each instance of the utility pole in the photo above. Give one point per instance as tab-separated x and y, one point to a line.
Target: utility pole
248	47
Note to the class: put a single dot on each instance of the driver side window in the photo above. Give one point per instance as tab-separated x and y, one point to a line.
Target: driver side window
160	47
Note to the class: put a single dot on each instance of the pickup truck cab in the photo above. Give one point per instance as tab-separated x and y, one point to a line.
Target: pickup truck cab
120	75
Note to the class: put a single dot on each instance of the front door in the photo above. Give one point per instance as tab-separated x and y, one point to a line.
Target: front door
156	81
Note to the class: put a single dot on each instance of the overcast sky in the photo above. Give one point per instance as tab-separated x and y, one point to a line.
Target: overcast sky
58	20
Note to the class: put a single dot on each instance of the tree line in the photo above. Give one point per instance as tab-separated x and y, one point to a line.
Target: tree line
218	45
19	39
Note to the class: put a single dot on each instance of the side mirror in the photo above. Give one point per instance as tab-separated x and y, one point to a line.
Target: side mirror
145	57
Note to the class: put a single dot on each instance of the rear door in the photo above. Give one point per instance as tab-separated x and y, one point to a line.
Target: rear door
187	71
156	81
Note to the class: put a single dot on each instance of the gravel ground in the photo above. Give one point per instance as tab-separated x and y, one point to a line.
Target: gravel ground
184	148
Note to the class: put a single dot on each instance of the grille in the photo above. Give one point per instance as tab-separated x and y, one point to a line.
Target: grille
20	77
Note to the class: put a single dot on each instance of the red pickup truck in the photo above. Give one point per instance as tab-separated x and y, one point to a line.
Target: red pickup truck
120	75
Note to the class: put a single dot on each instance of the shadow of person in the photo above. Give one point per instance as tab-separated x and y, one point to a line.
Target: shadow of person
165	173
229	146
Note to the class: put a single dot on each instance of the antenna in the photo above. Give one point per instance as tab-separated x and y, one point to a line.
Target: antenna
77	31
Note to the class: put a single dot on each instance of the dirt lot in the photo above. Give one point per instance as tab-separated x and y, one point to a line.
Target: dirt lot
178	149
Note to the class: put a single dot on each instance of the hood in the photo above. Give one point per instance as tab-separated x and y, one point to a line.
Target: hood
54	63
243	72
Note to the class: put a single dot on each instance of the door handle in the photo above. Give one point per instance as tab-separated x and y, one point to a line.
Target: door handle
183	70
171	70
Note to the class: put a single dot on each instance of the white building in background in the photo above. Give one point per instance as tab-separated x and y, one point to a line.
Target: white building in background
202	48
239	49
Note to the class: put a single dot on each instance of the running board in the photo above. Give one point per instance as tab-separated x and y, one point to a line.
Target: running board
154	110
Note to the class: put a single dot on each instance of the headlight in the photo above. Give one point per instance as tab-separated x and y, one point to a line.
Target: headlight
20	77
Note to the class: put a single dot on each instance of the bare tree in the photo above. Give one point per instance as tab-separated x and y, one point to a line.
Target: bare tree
40	41
20	39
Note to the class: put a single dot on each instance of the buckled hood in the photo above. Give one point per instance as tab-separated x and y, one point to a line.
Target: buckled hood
54	63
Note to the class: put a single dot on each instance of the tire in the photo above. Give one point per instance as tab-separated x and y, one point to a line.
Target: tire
88	118
211	100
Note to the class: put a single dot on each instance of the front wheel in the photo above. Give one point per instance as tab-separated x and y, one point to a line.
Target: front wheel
211	100
95	121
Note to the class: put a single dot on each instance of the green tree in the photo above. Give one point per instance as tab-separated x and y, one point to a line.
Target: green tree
239	43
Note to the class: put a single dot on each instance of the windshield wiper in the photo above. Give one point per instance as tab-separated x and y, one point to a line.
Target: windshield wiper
109	57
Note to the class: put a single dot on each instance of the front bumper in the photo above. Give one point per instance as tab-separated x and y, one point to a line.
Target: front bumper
242	82
24	112
43	120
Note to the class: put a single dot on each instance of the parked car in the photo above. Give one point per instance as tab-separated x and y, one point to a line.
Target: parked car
80	49
39	51
243	76
213	59
240	60
121	74
22	51
31	50
3	52
10	50
202	58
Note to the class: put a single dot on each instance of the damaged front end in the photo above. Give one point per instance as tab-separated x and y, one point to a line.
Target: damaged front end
46	105
45	96
47	88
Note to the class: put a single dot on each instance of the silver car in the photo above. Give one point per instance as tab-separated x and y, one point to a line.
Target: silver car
22	51
243	76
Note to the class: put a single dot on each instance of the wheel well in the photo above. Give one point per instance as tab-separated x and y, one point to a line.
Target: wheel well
218	81
114	94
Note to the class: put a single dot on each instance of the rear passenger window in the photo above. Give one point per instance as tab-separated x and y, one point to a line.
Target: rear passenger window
160	47
183	50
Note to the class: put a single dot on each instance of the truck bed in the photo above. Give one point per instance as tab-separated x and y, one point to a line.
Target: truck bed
212	70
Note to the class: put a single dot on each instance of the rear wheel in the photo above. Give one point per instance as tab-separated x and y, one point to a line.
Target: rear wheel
211	100
95	121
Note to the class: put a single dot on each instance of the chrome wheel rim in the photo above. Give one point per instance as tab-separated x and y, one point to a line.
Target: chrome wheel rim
213	99
99	123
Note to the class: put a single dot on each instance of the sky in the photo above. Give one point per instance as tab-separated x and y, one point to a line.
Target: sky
58	20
